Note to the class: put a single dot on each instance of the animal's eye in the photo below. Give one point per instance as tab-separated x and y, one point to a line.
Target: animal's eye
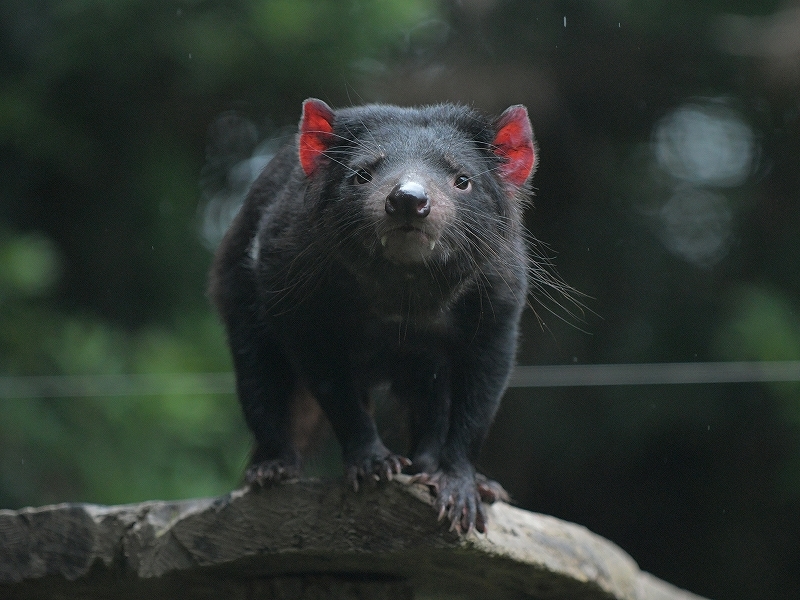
362	176
462	182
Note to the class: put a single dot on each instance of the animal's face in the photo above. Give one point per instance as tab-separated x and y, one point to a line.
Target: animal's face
414	186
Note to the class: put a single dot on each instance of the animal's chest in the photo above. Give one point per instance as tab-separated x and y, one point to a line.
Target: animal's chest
348	329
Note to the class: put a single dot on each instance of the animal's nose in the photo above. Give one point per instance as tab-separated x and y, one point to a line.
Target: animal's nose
409	200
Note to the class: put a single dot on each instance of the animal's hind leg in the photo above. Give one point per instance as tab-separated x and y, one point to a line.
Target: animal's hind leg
266	383
424	386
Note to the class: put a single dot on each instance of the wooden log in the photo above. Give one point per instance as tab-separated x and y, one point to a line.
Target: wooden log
308	539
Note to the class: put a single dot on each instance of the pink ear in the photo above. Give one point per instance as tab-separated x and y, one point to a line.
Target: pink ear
316	133
514	142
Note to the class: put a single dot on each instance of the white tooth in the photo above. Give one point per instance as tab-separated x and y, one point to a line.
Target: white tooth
433	244
383	240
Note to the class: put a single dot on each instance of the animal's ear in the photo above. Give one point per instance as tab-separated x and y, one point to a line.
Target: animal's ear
514	143
316	134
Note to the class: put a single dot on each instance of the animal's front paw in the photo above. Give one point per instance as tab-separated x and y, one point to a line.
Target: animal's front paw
270	471
376	463
490	491
458	497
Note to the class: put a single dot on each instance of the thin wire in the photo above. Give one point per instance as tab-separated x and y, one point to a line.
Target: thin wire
156	384
655	374
176	384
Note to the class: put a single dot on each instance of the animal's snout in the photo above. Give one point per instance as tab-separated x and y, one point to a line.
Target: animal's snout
408	200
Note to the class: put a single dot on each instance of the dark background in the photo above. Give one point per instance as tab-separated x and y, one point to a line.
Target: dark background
668	192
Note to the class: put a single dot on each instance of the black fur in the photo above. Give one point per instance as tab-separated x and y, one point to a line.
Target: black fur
322	289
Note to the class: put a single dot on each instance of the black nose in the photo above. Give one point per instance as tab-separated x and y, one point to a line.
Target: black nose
408	200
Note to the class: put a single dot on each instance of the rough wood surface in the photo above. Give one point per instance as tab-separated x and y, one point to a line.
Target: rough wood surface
308	539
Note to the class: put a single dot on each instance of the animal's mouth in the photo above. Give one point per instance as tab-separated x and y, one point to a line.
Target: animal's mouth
407	244
409	236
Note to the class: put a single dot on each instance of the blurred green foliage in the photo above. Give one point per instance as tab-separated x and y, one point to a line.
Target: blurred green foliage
102	118
108	162
762	324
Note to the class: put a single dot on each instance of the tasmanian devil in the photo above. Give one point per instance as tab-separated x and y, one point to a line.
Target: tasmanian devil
382	244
